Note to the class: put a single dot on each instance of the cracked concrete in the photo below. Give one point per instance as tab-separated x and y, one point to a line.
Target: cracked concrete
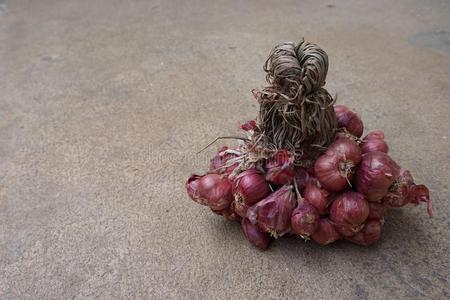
103	105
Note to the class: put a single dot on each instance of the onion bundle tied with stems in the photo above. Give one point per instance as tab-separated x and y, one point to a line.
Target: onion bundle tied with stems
302	168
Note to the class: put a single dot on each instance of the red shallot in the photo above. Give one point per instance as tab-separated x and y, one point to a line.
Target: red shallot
255	235
348	211
216	189
304	220
375	174
249	187
374	141
335	168
240	208
273	213
316	196
218	163
376	210
192	189
349	120
404	191
325	233
369	234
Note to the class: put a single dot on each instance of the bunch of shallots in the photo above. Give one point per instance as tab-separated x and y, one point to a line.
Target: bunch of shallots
303	168
343	194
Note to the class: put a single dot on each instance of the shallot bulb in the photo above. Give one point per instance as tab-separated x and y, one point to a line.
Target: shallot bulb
228	213
193	190
376	210
302	177
280	168
325	233
273	213
219	163
316	196
404	191
216	189
240	208
249	187
304	220
347	148
375	174
255	235
374	141
349	120
335	168
369	234
348	211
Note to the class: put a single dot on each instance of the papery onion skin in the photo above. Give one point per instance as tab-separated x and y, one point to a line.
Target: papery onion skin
379	134
377	210
193	190
216	189
240	208
304	220
280	168
369	234
375	174
228	213
335	168
249	125
255	235
327	170
231	215
347	148
273	213
374	141
316	196
349	210
325	233
404	191
250	186
302	177
218	162
349	120
373	144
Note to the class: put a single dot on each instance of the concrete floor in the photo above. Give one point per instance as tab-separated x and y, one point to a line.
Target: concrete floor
103	105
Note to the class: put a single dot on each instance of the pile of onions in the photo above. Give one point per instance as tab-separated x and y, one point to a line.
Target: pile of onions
343	193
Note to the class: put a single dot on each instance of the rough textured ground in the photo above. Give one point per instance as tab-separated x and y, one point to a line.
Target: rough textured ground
104	103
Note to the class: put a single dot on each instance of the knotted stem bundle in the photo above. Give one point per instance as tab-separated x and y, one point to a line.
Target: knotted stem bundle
296	112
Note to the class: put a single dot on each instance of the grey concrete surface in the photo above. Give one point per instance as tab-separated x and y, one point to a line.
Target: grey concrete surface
103	105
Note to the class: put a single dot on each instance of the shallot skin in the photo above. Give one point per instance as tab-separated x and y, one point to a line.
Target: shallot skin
273	213
250	186
374	141
349	120
347	148
325	233
240	208
404	191
317	197
327	170
304	220
216	189
255	235
370	233
219	161
335	168
375	174
377	210
193	190
228	213
348	211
